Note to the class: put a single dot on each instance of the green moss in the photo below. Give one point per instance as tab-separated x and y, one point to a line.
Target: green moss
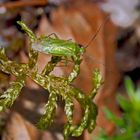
56	86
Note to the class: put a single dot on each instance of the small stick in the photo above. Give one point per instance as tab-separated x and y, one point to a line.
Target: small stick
17	4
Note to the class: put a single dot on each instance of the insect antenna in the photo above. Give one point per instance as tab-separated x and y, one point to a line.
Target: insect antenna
97	31
90	41
91	58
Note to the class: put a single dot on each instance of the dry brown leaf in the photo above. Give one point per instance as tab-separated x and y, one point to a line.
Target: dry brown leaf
80	22
19	129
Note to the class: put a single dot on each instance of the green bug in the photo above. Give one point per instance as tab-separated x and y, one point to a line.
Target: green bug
56	47
53	46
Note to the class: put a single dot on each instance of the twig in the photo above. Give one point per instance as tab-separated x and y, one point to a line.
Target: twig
17	4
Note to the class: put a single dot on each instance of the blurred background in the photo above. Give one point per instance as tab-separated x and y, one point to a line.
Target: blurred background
115	51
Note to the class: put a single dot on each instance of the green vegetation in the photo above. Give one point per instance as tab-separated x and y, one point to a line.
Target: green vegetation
128	125
56	86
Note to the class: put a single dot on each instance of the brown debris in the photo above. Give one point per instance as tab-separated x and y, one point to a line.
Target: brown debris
19	129
18	4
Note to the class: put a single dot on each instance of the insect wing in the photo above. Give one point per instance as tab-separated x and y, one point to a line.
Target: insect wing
59	47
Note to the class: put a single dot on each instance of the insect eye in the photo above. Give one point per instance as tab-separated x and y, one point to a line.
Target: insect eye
81	46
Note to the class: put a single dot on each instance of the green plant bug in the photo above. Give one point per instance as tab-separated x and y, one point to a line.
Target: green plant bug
59	47
53	46
56	47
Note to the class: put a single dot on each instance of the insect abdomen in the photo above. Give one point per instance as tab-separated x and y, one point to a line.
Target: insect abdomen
55	47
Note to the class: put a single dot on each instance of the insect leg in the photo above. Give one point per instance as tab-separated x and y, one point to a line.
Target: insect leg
55	35
69	40
49	113
51	64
